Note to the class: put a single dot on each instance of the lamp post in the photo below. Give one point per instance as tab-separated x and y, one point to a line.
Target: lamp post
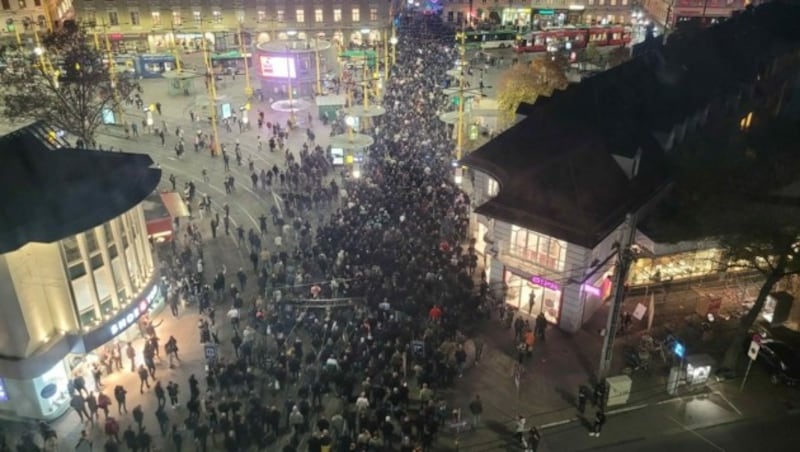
316	62
212	93
176	51
394	41
365	36
289	67
112	75
248	88
385	56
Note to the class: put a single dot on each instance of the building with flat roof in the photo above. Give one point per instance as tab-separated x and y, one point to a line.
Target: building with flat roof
553	191
76	268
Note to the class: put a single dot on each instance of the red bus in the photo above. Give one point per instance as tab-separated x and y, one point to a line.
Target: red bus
568	38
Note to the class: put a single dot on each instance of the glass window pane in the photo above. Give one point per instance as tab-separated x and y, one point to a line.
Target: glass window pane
91	241
87	317
107	306
116	266
71	251
82	291
76	271
96	261
103	287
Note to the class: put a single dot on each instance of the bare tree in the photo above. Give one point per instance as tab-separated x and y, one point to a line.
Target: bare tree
65	82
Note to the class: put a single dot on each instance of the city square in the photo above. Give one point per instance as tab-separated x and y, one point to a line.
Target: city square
405	235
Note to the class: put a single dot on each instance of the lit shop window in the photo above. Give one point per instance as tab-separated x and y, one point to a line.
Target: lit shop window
539	249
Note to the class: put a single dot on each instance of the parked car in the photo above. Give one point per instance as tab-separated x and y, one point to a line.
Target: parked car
781	360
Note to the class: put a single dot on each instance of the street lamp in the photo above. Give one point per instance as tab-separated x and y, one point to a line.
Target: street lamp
289	66
393	41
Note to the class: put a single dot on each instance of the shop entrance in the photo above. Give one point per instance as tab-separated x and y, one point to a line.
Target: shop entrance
532	296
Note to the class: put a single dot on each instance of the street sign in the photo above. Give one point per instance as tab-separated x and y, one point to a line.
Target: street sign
210	351
752	352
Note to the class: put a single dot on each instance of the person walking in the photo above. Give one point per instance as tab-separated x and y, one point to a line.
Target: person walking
103	403
84	444
478	344
172	390
161	395
583	394
143	376
120	394
138	415
476	408
131	354
599	421
519	428
78	403
532	440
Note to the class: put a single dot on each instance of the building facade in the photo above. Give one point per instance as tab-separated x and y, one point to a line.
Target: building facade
159	26
552	192
671	13
538	13
21	18
71	289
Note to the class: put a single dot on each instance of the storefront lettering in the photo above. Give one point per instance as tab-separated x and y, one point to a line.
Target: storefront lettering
592	290
544	282
134	313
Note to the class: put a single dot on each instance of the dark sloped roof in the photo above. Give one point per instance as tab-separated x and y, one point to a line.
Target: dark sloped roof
48	193
556	168
556	182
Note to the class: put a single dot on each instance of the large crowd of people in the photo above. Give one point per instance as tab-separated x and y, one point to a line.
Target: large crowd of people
353	324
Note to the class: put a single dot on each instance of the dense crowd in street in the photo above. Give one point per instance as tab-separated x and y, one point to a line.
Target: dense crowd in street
388	275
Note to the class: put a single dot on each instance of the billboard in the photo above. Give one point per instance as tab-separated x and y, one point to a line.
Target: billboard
277	66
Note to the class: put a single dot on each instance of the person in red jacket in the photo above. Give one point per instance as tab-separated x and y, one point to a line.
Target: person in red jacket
435	313
112	428
103	402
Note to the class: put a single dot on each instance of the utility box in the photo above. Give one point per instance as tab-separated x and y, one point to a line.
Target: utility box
619	390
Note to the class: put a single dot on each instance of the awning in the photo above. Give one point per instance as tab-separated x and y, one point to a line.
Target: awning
175	205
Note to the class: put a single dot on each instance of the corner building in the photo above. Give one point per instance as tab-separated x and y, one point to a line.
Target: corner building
76	269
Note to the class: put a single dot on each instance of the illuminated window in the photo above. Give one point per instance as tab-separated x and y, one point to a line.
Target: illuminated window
539	249
624	2
356	17
300	15
216	16
135	18
318	15
337	15
176	18
281	13
612	2
156	18
601	2
22	4
262	16
745	122
197	17
492	187
373	14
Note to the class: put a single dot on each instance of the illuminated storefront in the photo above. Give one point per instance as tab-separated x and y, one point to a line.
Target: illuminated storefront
293	63
676	267
532	295
95	274
517	17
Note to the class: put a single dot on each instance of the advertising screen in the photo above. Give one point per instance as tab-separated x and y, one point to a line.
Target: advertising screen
275	66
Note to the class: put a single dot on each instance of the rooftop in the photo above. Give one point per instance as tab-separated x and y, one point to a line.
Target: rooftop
49	190
559	169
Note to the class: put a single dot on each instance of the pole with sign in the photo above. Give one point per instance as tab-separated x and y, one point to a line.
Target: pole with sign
752	353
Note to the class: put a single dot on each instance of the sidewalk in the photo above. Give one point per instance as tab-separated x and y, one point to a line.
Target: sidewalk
548	389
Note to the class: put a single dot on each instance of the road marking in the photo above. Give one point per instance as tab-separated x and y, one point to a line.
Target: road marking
674	399
557	423
629	408
694	432
728	402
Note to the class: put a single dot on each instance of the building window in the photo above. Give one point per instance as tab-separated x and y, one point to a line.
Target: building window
216	16
539	249
373	14
356	17
37	2
6	4
262	16
532	296
318	15
299	16
113	18
281	15
591	2
156	18
337	14
197	17
612	2
71	251
176	18
135	18
601	2
449	16
91	241
492	187
22	4
624	2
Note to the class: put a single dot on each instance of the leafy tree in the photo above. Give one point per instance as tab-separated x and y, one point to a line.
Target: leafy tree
740	189
617	56
68	86
525	82
591	55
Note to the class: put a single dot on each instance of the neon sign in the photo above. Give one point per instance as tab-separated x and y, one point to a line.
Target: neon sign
544	282
592	290
133	313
